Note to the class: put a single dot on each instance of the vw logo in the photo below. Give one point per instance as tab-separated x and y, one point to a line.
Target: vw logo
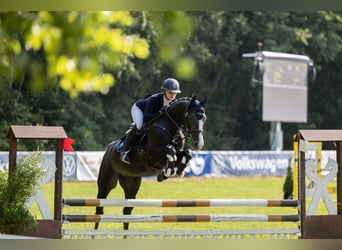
69	166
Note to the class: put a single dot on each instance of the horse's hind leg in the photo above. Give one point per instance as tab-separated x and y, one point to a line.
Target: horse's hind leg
106	181
131	186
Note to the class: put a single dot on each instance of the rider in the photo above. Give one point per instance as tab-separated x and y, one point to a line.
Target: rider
144	110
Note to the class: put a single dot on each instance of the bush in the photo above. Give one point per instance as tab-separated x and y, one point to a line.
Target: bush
15	190
288	184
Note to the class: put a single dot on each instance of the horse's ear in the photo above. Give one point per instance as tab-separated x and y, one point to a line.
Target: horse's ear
203	101
193	99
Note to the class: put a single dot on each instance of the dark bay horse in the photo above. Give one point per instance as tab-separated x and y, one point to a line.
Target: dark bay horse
160	151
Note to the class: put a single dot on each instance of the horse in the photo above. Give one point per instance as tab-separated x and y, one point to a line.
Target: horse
160	151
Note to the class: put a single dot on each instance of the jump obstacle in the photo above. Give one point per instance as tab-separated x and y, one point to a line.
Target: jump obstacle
309	224
181	234
179	218
316	153
180	203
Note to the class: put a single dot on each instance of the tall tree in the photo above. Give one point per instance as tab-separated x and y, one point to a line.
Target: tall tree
66	53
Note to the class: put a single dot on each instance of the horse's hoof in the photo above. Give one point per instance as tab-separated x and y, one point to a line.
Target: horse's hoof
161	177
181	175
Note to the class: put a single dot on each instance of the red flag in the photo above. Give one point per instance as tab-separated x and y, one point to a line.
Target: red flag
67	144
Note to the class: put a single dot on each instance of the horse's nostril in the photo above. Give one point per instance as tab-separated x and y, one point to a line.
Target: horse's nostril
197	145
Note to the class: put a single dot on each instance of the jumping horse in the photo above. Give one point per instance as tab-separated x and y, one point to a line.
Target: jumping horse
160	151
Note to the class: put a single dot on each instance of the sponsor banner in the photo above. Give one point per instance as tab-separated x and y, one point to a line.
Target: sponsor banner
84	166
249	163
199	164
4	161
88	165
48	161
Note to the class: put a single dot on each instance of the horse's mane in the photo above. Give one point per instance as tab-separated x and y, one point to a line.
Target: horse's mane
187	101
183	101
180	100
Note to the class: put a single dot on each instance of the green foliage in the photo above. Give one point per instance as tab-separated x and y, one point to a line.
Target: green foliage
15	189
172	31
78	51
14	110
288	184
49	57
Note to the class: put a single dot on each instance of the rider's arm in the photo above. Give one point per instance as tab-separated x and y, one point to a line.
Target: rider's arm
153	106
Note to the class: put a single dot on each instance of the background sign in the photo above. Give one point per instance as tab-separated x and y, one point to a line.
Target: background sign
84	166
285	90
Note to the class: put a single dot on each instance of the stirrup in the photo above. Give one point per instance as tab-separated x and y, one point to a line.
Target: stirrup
124	157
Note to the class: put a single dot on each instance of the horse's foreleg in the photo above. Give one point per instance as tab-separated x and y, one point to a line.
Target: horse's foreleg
176	169
170	152
171	159
184	161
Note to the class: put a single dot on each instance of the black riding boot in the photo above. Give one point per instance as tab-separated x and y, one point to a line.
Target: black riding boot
131	138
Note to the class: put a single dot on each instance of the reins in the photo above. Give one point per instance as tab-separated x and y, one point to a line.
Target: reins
178	123
179	127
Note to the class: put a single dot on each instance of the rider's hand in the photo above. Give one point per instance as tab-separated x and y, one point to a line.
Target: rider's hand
162	110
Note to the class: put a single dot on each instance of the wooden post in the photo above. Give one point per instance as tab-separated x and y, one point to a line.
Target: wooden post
45	228
58	180
12	155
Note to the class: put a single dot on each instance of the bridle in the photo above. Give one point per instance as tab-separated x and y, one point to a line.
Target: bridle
180	126
190	132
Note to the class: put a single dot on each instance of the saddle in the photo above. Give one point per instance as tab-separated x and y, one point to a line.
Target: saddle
138	141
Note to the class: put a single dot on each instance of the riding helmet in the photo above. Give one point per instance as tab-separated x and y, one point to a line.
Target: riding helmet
172	85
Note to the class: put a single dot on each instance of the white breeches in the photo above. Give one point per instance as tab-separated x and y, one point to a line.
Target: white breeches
137	116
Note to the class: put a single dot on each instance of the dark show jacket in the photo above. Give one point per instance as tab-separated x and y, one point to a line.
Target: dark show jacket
150	105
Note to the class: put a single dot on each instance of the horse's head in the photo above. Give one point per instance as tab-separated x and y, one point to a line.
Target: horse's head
188	113
194	122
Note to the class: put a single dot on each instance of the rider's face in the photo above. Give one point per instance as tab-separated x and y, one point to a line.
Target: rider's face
170	96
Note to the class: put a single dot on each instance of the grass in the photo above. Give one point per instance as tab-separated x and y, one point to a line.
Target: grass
186	188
